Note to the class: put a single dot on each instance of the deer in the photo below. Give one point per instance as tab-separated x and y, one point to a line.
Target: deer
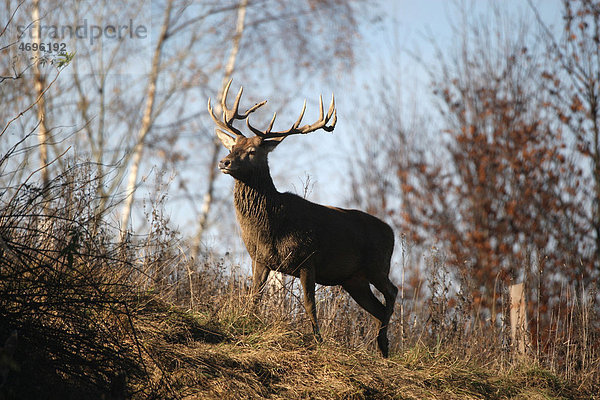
284	232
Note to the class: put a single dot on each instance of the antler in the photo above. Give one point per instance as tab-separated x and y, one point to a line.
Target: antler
320	124
231	114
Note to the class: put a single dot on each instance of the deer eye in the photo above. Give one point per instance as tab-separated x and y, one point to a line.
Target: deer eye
251	152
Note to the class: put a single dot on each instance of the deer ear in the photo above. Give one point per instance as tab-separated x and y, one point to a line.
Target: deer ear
227	140
269	145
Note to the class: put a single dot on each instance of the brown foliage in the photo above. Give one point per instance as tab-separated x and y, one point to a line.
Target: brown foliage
507	198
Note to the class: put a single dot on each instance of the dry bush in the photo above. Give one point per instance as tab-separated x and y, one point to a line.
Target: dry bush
66	293
443	318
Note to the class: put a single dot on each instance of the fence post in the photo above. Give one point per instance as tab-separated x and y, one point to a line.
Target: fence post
518	318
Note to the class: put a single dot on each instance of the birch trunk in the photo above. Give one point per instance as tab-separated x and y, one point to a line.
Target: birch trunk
138	150
216	145
39	85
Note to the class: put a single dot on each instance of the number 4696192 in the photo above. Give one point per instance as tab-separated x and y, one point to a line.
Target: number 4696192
49	47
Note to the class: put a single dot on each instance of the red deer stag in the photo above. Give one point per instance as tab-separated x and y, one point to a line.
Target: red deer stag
286	233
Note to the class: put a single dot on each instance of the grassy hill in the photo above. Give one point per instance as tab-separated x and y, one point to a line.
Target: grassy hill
192	355
234	354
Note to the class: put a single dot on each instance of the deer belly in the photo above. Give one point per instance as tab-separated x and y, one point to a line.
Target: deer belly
288	262
335	267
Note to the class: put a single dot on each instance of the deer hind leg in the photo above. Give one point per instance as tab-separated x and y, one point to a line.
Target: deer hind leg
389	291
307	278
360	290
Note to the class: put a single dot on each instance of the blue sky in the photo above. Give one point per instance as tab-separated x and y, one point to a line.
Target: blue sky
388	46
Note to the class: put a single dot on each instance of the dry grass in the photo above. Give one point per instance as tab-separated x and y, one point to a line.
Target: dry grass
193	355
84	317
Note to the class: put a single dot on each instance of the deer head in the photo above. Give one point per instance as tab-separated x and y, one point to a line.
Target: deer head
248	154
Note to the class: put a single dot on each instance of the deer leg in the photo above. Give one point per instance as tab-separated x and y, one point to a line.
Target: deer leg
360	291
389	291
260	274
307	278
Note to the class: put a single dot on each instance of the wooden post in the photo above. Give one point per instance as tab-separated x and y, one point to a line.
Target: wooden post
518	318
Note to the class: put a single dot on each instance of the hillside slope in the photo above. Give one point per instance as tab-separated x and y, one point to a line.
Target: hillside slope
195	356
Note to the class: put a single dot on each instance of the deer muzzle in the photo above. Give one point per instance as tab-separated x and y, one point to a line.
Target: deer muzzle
225	166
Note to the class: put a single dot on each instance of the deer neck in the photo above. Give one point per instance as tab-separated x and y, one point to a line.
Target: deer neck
255	195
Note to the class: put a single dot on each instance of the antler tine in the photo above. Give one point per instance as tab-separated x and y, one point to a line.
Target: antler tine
225	93
252	109
231	114
320	107
260	133
223	124
320	124
301	115
331	106
272	122
331	112
333	122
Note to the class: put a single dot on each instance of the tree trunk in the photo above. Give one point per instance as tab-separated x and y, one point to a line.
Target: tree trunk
146	124
39	83
216	145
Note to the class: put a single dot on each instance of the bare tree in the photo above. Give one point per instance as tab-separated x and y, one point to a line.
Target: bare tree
130	107
571	77
25	84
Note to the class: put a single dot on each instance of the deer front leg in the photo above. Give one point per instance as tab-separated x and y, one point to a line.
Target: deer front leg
260	273
307	278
